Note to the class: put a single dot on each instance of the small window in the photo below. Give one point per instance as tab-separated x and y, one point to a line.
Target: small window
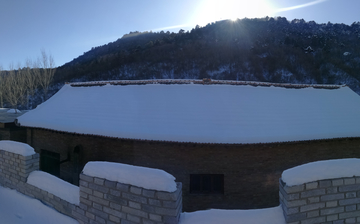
206	183
50	162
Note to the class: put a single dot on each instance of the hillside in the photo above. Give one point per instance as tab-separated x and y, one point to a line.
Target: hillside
267	49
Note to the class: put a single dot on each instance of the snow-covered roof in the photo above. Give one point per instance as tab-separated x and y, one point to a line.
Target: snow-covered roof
204	112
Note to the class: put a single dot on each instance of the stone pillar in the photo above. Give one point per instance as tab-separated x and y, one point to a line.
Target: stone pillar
15	168
330	201
102	200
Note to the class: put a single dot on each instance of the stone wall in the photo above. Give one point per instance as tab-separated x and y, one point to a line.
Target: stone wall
101	201
332	201
15	168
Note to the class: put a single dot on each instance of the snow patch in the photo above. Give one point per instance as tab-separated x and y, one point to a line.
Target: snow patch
17	147
55	186
13	111
16	208
321	170
148	178
216	216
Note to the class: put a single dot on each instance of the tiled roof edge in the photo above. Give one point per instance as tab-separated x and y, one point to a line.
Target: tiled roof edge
181	142
202	82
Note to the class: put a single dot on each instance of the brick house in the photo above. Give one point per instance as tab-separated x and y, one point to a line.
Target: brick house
227	142
8	129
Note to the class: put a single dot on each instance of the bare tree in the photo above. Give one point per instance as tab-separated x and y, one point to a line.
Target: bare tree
47	72
31	75
15	87
2	87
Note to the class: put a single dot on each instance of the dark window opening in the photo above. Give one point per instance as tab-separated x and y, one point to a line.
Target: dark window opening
206	183
50	162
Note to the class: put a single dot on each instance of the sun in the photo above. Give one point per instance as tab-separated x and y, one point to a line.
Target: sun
213	10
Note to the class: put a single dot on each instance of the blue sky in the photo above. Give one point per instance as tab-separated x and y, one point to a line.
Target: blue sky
68	28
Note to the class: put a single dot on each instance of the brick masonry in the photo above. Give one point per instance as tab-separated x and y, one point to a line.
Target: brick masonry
101	201
251	171
332	201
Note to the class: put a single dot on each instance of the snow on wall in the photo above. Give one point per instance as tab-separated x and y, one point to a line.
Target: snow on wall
55	186
321	170
17	147
148	178
201	113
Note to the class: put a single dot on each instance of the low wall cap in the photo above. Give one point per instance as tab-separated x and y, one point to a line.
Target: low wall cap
17	148
321	170
148	178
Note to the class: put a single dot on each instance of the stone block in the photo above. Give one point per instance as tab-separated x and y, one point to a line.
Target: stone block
349	181
337	182
135	198
114	213
115	199
148	193
122	187
346	188
110	184
349	201
350	195
331	204
332	197
310	207
133	218
312	185
346	215
86	178
314	220
312	193
135	190
99	213
135	212
331	211
350	208
99	200
98	188
134	205
157	218
99	181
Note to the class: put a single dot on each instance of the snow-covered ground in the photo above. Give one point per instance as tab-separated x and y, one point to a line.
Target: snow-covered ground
16	208
217	216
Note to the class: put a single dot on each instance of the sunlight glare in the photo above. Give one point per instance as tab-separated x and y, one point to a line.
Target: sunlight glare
215	10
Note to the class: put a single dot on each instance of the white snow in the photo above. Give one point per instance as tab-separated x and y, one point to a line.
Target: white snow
55	186
13	111
201	113
16	208
216	216
17	147
148	178
321	170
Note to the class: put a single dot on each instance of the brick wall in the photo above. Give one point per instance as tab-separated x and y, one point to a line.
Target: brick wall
14	168
332	201
101	201
251	172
